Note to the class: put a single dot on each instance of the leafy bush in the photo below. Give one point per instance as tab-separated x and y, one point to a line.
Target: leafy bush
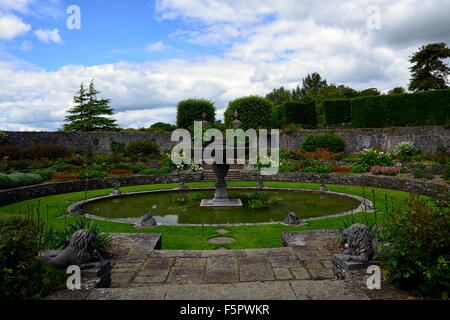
47	151
191	110
401	110
18	179
91	174
143	147
358	168
418	173
373	157
163	126
418	254
405	148
46	174
22	275
385	171
330	142
341	169
297	112
337	111
116	147
254	112
318	169
446	173
64	176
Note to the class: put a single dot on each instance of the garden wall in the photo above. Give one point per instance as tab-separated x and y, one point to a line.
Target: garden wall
419	187
49	189
424	138
386	139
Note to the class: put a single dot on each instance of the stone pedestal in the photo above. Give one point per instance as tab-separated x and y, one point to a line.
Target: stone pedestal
221	196
342	268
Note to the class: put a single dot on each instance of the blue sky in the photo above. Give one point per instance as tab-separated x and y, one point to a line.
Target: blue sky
148	55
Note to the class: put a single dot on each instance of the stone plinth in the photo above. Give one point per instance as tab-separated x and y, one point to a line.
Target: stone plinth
342	267
206	203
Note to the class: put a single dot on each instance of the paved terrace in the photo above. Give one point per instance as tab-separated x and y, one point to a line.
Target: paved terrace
300	272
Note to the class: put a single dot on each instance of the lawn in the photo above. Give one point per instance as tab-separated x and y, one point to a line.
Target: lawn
195	238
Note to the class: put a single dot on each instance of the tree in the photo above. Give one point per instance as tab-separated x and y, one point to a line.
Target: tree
254	112
163	126
191	110
296	94
278	96
370	92
397	90
429	72
87	114
312	84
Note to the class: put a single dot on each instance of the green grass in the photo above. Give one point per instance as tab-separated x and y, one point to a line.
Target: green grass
196	238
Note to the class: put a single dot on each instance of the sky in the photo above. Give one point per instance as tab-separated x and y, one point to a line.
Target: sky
146	56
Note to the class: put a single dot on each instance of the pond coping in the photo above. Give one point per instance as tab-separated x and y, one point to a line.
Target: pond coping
76	210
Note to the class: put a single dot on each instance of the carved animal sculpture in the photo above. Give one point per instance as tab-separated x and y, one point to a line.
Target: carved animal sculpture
81	249
362	246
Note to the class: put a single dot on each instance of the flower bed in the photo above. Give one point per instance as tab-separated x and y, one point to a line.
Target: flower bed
385	171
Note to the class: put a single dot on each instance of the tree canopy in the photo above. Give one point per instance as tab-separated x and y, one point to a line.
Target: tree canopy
429	72
88	112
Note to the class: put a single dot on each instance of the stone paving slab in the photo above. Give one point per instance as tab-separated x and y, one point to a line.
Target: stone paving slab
271	290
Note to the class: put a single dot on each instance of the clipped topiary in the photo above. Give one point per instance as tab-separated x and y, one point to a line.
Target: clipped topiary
254	112
191	110
330	141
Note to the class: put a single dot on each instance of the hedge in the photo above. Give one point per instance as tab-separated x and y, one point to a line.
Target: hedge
191	110
401	110
331	142
297	112
337	111
254	112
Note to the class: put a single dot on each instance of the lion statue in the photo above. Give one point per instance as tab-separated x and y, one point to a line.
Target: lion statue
360	243
81	249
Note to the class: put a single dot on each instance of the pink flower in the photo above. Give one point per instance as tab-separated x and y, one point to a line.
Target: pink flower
5	157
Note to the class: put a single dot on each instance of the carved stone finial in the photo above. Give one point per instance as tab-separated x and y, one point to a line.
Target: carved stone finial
116	192
236	123
323	188
260	185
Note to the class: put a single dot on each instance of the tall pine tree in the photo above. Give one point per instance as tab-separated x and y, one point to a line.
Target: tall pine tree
88	112
429	72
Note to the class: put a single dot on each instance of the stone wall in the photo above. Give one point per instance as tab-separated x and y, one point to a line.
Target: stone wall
424	138
419	187
99	142
386	139
49	189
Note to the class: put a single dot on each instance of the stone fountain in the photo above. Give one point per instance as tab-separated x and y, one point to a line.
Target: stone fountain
220	170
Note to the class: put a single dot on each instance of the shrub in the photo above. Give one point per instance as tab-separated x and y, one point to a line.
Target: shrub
373	157
297	112
18	179
46	174
142	147
64	176
91	174
36	151
358	168
401	110
116	147
385	171
318	169
330	141
12	152
337	111
254	112
418	173
405	148
121	172
446	173
418	256
341	169
22	275
191	110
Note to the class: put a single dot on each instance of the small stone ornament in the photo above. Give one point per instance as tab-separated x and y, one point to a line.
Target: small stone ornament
146	221
181	186
291	218
323	188
260	185
116	192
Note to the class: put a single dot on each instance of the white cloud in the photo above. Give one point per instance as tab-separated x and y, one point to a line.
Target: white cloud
268	44
48	35
156	47
12	26
17	5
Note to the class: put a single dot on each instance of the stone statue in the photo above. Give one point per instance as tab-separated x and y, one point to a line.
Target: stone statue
146	221
116	192
323	188
81	250
291	218
361	245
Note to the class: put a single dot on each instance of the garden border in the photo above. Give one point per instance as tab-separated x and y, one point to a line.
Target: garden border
10	196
